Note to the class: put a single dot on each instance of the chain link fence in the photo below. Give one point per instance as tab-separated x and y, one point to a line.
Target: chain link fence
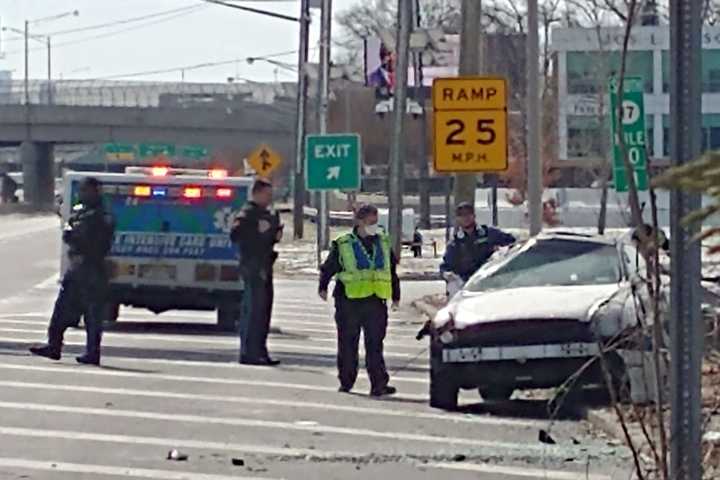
108	93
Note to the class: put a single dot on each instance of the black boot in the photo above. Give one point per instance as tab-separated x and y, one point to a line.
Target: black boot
47	351
88	359
381	392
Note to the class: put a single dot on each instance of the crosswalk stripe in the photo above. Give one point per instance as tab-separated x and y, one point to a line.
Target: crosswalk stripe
115	341
186	378
192	339
176	442
517	471
110	470
548	450
384	411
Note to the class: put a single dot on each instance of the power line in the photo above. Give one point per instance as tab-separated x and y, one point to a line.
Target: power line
196	66
109	34
118	22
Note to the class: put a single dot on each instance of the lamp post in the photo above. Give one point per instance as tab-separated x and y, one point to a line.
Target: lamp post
45	39
297	182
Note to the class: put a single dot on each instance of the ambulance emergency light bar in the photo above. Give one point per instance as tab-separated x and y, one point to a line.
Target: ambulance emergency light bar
189	192
161	171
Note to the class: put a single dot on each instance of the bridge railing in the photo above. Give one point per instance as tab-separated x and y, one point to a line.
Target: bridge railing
106	93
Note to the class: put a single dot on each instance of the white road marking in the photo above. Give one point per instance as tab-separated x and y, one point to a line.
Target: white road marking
24	315
548	450
186	378
25	232
28	293
176	442
193	339
116	341
115	471
446	417
517	471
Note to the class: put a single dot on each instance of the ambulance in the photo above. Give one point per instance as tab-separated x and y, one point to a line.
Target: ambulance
172	248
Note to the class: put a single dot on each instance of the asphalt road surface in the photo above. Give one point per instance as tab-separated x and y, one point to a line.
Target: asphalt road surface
172	382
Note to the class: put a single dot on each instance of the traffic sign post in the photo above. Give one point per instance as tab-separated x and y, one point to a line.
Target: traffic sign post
632	129
333	162
264	160
470	124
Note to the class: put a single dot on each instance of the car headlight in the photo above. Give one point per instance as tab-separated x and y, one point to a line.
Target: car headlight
448	336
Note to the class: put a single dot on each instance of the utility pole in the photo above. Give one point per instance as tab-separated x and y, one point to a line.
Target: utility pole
534	160
49	71
423	168
397	145
470	64
686	325
302	92
27	65
323	232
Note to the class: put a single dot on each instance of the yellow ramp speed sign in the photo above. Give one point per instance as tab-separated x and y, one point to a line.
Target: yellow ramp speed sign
470	124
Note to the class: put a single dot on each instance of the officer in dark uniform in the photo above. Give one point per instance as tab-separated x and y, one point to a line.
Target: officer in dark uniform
8	187
88	235
365	267
255	232
471	246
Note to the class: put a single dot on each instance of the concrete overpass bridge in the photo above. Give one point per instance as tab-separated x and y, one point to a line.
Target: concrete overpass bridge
218	116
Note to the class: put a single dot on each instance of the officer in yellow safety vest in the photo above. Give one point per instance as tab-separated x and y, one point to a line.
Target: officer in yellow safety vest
365	269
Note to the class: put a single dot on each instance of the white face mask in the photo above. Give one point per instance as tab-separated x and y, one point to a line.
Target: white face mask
371	230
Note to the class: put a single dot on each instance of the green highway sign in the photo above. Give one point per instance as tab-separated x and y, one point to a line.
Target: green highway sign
156	149
632	129
194	151
333	161
119	151
129	152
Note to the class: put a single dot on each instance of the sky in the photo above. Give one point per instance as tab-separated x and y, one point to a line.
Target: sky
176	35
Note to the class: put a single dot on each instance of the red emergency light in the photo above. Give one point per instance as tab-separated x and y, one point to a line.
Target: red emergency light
224	192
218	173
159	171
192	192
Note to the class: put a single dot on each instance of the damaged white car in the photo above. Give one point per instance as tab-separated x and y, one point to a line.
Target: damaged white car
535	316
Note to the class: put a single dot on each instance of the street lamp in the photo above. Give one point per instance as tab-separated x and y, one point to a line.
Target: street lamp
286	66
45	39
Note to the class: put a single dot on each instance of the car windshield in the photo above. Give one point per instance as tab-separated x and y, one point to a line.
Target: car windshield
553	262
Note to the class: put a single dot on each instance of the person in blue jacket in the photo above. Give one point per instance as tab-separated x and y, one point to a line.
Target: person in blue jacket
471	246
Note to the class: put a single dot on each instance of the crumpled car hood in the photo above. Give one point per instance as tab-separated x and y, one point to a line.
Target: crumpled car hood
568	302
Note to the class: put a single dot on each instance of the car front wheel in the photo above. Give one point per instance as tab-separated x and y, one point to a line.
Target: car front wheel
443	391
496	394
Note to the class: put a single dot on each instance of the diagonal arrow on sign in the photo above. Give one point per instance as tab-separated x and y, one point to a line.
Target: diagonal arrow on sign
333	173
265	159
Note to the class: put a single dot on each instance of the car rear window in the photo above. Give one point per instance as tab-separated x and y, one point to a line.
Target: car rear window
554	262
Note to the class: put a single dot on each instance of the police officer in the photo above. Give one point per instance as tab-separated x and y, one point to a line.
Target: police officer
88	235
471	246
8	187
255	232
365	267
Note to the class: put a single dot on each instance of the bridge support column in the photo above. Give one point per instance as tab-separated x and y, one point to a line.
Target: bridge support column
38	173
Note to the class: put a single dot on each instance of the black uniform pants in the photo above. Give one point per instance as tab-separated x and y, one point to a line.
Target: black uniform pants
82	292
370	316
256	313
